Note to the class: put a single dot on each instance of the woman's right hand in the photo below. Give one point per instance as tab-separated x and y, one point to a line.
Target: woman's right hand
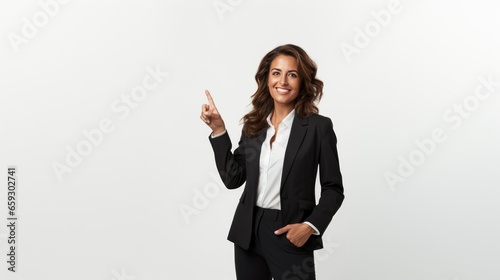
210	115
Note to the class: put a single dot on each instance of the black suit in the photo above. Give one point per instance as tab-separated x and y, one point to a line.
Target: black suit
312	143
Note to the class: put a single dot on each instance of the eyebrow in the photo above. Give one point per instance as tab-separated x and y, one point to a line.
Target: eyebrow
288	71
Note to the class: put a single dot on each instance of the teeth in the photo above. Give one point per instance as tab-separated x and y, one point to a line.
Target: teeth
282	90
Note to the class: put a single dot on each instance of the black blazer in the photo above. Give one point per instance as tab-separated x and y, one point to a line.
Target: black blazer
312	144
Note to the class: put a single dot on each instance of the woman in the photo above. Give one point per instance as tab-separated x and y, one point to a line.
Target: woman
277	223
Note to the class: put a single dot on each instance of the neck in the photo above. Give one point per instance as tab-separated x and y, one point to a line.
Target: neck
280	112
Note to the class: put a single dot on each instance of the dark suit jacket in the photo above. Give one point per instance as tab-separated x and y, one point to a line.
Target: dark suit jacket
312	144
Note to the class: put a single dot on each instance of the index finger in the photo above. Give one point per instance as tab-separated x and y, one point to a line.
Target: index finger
210	99
282	230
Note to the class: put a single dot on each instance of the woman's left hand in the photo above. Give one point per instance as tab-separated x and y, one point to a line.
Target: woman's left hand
298	234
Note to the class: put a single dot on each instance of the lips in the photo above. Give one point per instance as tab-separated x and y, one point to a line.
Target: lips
283	90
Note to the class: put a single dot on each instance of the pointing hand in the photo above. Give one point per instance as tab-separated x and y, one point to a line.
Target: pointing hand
210	115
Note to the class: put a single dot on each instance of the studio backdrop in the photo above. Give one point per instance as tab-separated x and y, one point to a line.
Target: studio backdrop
106	168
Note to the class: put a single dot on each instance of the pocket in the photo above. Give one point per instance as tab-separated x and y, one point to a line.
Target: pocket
287	246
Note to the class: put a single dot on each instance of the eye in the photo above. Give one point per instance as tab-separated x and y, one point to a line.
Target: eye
275	73
293	75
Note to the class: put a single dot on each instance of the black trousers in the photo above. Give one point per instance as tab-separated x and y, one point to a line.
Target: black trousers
272	255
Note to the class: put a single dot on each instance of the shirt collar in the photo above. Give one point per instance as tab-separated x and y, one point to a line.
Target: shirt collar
287	121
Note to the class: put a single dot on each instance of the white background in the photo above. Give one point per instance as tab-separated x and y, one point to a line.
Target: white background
117	214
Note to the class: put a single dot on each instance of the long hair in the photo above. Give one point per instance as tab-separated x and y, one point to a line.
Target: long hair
311	89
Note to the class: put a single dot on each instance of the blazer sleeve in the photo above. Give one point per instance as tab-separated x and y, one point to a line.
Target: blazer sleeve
231	166
332	190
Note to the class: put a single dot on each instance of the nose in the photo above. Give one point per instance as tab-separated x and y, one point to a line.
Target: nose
283	80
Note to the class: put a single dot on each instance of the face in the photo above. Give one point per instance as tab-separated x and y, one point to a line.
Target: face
284	80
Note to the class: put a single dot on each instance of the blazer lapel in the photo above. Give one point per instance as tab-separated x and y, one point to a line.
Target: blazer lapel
297	133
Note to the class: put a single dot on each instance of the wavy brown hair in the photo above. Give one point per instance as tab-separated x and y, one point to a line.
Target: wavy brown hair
311	89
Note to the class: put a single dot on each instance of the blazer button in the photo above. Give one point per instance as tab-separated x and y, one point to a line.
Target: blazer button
285	196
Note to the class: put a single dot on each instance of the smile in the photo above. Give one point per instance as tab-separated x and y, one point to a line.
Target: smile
283	90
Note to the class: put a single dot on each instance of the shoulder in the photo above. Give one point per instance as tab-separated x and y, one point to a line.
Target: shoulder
322	125
319	120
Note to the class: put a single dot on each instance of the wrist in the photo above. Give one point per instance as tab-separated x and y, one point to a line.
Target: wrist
314	230
218	132
309	228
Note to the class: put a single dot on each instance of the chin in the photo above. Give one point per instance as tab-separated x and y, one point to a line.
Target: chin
284	101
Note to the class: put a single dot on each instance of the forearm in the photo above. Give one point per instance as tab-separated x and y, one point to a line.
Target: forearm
231	166
332	189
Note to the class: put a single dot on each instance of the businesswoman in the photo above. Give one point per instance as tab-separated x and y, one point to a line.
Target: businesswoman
277	223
